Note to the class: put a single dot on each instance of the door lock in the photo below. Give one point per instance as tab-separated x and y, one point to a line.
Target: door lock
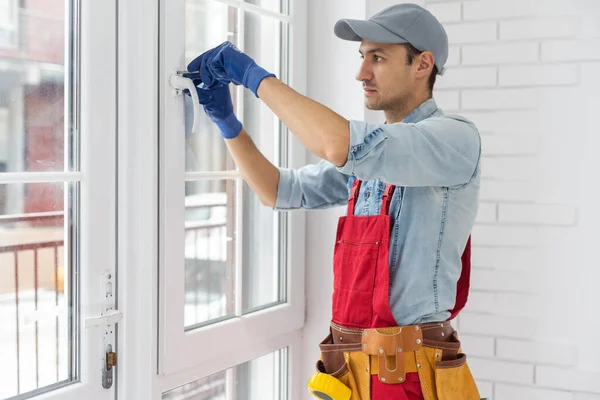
109	361
107	320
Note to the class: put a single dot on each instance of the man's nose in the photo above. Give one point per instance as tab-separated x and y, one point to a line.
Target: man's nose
364	72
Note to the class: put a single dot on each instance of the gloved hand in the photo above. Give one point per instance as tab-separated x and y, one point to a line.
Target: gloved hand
226	63
219	107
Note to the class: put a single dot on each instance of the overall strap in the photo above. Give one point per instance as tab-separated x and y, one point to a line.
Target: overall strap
353	196
386	199
464	282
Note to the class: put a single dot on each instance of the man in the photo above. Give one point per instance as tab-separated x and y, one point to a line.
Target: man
402	254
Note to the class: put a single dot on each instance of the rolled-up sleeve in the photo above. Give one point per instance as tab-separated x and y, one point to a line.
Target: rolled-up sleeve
314	186
438	151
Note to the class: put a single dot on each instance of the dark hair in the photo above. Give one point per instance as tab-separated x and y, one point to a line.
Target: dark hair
411	53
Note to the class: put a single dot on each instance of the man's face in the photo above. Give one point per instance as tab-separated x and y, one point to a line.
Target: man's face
388	82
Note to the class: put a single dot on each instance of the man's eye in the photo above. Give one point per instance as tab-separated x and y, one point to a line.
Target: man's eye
378	58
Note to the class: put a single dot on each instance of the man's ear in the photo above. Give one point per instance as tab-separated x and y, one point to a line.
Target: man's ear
426	63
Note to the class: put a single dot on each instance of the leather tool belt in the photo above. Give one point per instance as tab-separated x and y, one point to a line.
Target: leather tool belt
387	347
430	350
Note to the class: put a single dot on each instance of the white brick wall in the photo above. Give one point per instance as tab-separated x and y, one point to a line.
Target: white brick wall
497	257
500	99
507	191
488	212
538	75
447	12
571	50
510	168
499	235
500	53
567	379
502	370
515	122
471	323
538	29
586	396
521	70
473	32
504	145
470	77
511	392
535	352
537	214
478	346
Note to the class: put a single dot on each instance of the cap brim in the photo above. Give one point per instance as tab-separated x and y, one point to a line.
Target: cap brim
357	30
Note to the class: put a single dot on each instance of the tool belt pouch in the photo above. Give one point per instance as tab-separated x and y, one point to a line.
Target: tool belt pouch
332	360
453	380
445	374
347	363
390	345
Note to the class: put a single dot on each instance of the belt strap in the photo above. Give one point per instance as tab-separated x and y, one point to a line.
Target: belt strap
383	345
432	332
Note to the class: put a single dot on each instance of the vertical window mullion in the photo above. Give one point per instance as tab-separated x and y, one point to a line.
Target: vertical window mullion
239	245
239	203
281	220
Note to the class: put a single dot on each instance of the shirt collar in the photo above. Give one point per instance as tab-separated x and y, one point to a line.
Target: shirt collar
425	110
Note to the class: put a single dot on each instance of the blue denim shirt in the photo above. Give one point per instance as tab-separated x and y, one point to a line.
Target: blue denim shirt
433	159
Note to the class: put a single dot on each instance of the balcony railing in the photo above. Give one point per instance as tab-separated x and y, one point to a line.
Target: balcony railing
34	337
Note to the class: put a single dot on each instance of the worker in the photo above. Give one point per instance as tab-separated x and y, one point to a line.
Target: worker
411	186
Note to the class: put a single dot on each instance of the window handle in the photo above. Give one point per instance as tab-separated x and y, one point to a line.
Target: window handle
180	83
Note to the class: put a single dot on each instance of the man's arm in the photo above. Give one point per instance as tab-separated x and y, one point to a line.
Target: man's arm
441	151
257	171
313	186
325	133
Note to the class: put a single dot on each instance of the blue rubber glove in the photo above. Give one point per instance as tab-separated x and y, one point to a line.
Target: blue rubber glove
226	63
219	107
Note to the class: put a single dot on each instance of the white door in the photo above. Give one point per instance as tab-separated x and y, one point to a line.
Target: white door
231	285
57	198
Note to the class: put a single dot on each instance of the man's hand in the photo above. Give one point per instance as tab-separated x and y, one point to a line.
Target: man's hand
219	107
325	133
226	63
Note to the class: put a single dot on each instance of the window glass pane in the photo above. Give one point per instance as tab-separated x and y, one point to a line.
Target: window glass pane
262	277
209	251
262	43
261	280
271	5
32	89
263	378
36	340
208	24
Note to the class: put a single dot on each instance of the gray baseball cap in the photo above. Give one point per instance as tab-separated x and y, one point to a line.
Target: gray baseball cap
400	23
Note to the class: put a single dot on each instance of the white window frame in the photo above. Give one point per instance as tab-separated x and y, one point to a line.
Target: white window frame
95	53
152	340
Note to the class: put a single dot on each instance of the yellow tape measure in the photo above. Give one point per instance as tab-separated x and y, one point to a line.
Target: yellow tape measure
326	387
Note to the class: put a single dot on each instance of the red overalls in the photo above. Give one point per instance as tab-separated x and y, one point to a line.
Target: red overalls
361	283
